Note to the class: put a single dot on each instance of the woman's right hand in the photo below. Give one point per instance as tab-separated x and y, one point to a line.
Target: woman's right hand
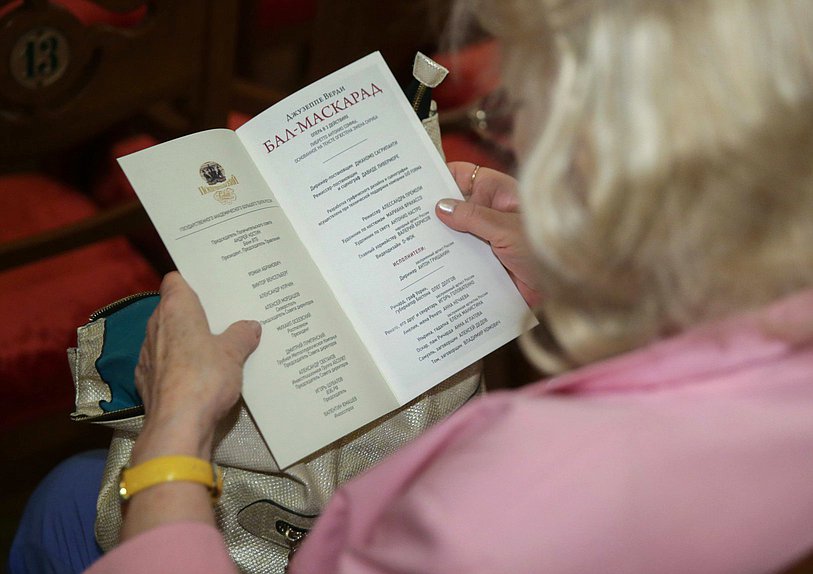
187	377
491	212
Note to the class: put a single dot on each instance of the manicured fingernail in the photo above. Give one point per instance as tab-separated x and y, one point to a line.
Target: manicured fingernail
447	205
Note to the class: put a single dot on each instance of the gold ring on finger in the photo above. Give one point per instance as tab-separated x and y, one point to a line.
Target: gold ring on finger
473	176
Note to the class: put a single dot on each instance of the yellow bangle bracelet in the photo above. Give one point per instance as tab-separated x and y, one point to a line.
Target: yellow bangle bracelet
169	469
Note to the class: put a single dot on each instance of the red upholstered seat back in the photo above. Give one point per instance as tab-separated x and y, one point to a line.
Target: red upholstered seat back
42	303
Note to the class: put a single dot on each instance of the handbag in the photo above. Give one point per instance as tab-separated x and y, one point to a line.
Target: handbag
264	512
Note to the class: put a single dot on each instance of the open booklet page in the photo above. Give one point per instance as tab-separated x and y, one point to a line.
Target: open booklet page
358	177
317	219
310	381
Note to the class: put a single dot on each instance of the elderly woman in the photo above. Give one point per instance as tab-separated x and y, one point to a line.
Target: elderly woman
666	194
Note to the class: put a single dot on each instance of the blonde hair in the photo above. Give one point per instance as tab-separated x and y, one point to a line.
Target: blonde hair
668	179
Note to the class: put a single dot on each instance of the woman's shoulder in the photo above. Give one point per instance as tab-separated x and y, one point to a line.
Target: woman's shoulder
699	474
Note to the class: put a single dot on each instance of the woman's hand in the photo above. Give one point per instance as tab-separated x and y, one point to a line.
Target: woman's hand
188	378
491	212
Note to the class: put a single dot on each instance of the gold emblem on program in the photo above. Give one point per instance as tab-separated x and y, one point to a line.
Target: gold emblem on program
217	184
225	196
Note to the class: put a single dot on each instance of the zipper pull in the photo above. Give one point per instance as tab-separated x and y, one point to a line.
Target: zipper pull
293	535
428	74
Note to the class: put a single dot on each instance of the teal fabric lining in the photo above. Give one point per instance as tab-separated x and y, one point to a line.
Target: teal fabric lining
124	332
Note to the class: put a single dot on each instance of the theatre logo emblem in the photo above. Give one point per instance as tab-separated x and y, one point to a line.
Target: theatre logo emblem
217	184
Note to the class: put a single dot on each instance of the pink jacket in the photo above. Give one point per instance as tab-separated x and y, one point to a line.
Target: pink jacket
694	454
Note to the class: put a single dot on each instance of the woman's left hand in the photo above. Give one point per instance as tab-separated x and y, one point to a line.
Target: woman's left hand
491	212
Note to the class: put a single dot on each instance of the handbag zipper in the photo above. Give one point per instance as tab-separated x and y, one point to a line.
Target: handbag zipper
113	415
115	305
418	97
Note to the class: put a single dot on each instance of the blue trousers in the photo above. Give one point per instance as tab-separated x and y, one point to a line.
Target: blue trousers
55	534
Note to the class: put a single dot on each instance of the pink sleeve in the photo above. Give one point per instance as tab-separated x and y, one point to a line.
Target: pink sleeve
172	549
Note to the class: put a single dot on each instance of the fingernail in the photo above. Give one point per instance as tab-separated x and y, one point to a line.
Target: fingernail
257	327
447	205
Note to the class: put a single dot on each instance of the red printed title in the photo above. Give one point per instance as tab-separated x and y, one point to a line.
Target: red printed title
329	108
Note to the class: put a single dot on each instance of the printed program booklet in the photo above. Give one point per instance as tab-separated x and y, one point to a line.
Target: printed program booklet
317	219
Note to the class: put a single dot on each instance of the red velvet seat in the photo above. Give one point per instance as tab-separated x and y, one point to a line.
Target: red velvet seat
42	303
